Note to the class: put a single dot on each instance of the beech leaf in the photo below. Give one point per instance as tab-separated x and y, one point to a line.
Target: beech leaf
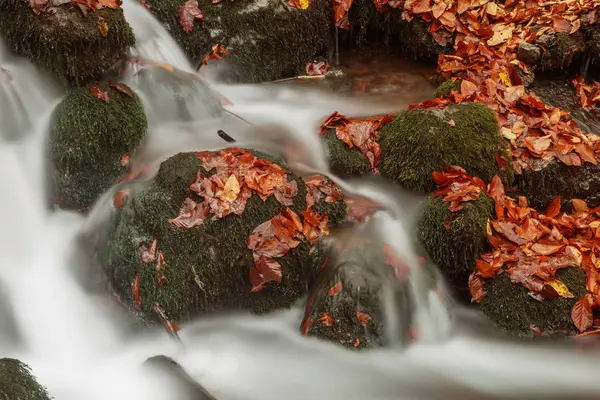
581	313
188	12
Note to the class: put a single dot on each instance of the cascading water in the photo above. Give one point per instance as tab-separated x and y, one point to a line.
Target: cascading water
81	347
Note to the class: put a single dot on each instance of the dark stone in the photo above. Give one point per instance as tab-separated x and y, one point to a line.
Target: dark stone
528	53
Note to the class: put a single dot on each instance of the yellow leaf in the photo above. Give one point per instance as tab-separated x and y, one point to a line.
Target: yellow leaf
500	36
561	288
508	133
505	79
488	228
304	4
230	190
102	26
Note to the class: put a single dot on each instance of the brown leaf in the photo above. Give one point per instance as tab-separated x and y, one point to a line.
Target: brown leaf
579	205
335	289
188	12
363	318
581	313
554	208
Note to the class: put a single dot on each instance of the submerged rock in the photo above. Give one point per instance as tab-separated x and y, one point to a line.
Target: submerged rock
65	42
455	241
420	141
513	310
18	383
88	139
267	40
208	266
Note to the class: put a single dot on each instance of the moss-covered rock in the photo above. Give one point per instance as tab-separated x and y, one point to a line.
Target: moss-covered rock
18	383
342	160
445	88
354	316
266	40
512	309
66	43
206	267
88	138
455	241
420	141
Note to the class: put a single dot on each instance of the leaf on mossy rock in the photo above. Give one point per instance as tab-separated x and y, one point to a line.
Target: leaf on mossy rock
188	12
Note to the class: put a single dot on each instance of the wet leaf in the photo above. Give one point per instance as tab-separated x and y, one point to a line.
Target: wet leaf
476	288
188	12
99	93
554	208
124	160
121	197
581	313
325	319
561	289
216	53
363	318
148	255
335	289
135	292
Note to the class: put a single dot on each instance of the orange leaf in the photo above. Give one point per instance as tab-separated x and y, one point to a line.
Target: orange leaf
335	289
326	319
581	313
476	288
554	208
579	205
121	197
135	292
363	318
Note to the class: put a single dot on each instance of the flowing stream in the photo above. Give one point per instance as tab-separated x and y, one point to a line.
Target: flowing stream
81	346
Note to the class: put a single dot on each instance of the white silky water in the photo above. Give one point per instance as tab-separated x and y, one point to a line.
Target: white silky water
81	347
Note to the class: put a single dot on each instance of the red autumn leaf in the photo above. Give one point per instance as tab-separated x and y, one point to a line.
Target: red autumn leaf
135	292
121	197
38	5
305	327
476	288
363	318
191	214
125	160
451	123
188	12
485	269
149	254
554	208
325	319
356	342
581	313
216	53
335	289
99	93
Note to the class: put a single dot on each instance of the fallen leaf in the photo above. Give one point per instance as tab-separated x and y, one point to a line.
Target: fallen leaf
102	26
188	12
554	208
363	318
581	313
335	289
476	288
231	189
500	36
326	319
121	197
135	292
99	93
561	289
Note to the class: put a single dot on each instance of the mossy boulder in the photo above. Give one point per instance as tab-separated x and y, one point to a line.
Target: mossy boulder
267	40
353	317
420	141
207	267
455	241
18	383
513	310
445	88
65	42
344	161
88	138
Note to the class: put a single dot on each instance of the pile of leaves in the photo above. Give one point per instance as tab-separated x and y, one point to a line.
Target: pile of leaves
49	6
361	134
486	39
587	94
530	246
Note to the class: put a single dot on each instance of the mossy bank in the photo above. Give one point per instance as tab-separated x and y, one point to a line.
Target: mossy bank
206	267
68	44
18	383
88	138
420	141
267	40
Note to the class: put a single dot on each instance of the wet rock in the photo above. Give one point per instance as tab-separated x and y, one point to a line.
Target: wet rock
528	53
558	179
88	138
267	40
66	43
593	42
420	141
207	267
513	310
353	316
18	383
187	387
343	161
559	49
455	241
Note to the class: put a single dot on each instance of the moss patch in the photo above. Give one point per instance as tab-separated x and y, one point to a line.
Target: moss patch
445	88
66	43
266	40
88	137
420	141
207	267
343	161
513	310
18	383
456	248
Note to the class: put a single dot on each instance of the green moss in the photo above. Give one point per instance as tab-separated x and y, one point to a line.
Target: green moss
456	248
512	309
17	382
207	267
88	137
342	160
444	89
420	141
66	43
558	179
265	42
